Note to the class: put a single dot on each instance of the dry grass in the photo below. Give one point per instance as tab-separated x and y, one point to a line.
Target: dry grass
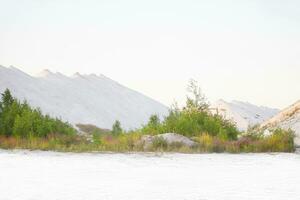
280	141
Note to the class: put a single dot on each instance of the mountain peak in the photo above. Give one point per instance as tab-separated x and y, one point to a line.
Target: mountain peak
77	75
45	73
13	68
93	75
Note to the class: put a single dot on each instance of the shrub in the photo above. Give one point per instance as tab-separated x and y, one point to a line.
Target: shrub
205	142
280	141
192	120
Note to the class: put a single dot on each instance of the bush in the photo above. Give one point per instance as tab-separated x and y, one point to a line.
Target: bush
192	120
280	141
205	142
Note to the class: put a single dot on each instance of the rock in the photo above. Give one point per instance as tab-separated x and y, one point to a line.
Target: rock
146	141
174	137
170	138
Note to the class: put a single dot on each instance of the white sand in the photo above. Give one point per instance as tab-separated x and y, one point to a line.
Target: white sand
46	175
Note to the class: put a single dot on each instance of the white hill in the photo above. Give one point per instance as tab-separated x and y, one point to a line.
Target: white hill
242	113
87	99
288	118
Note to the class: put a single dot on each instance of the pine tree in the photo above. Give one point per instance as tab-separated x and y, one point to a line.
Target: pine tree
154	125
116	128
6	99
154	121
9	109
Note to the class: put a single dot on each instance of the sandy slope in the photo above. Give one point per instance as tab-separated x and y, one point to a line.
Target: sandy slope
89	99
244	114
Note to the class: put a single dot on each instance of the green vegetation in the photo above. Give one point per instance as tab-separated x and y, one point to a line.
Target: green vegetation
26	128
20	120
193	120
279	141
116	128
282	141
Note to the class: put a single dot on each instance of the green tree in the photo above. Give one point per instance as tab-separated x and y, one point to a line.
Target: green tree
153	126
6	99
20	120
197	100
116	128
5	105
10	108
154	121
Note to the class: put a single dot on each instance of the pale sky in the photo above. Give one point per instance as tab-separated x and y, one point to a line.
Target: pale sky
237	50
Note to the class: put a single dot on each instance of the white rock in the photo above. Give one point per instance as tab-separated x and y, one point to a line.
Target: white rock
170	138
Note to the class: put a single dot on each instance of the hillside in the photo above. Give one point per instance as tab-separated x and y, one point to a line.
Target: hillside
86	99
242	113
288	118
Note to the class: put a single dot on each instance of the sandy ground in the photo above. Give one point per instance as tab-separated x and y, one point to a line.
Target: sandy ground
26	175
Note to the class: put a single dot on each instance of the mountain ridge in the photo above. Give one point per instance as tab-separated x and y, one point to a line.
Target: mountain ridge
90	99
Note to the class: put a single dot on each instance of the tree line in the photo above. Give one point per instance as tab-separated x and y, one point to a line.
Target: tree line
19	119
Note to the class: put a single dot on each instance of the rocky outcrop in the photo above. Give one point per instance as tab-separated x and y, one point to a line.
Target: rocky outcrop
170	138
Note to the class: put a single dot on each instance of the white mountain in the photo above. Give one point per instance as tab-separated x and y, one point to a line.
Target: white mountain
242	113
288	118
87	99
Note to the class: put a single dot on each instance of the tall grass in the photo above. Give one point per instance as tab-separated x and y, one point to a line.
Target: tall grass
280	141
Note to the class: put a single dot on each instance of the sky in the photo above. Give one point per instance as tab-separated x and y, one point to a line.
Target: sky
247	50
